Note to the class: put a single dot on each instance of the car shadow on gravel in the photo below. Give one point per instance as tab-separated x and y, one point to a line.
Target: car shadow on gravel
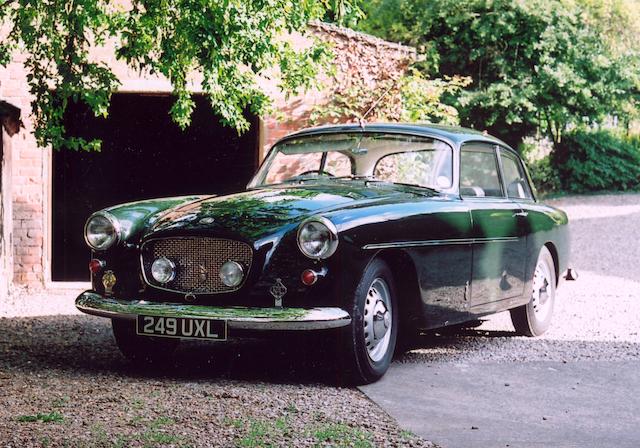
84	345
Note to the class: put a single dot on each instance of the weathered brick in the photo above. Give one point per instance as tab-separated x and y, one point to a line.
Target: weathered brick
356	55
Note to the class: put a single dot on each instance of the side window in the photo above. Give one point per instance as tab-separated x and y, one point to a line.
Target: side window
479	172
514	178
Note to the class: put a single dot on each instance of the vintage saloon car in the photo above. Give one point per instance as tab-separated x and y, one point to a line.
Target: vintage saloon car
371	232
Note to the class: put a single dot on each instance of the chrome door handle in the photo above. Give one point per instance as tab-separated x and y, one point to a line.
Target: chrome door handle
523	214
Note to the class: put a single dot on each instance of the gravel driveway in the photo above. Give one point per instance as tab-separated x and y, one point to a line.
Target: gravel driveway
575	386
63	382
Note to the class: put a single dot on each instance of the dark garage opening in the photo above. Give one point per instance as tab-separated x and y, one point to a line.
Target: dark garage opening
144	155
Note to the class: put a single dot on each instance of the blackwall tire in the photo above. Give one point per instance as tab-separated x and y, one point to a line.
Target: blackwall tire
141	349
534	318
369	341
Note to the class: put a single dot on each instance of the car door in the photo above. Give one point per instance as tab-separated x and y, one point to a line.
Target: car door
519	191
499	243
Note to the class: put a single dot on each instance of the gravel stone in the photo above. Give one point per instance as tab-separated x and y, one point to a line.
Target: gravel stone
57	362
244	393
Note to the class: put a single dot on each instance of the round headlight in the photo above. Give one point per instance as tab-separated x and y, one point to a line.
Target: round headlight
163	270
231	274
101	231
317	238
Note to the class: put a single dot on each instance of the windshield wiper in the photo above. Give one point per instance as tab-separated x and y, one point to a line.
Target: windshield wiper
357	177
430	191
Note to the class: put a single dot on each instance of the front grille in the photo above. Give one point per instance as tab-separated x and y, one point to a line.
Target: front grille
198	261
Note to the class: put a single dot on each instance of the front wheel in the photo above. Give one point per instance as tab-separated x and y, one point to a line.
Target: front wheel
370	339
534	318
141	349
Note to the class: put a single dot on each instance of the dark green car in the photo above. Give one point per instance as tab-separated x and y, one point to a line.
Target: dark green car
368	233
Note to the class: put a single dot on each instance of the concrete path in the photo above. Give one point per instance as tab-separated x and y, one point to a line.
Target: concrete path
537	404
577	386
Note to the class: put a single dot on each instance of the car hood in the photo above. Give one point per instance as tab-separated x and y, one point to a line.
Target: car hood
259	213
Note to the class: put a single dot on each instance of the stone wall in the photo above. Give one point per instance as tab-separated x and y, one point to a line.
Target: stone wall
356	54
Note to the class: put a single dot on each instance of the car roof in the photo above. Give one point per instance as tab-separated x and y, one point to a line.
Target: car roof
454	134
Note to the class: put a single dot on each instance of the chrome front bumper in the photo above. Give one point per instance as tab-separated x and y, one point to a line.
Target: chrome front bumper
241	318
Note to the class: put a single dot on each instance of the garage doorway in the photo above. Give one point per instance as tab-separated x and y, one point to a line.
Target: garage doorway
144	155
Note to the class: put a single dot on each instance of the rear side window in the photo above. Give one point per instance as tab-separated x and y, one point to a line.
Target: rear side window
479	172
514	178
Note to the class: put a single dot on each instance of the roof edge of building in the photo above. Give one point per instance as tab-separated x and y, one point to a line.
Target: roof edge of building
363	37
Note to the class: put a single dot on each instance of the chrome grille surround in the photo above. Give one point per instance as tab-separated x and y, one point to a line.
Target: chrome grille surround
198	261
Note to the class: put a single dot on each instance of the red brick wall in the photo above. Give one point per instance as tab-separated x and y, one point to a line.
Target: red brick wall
31	164
28	182
356	55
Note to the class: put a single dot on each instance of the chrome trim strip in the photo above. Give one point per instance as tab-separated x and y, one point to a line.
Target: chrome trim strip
243	318
451	242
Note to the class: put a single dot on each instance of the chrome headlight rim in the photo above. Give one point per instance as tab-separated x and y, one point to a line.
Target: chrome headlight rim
333	237
116	228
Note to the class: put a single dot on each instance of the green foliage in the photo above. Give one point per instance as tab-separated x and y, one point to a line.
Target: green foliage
343	12
545	175
422	98
228	45
49	417
339	434
535	64
598	160
412	98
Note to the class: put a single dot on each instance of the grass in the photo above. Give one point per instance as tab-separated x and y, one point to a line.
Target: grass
339	434
49	417
152	434
271	433
407	435
261	432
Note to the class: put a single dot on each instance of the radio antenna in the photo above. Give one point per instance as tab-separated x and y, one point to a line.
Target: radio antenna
361	120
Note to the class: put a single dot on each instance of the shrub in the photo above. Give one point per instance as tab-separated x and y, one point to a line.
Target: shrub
545	175
597	161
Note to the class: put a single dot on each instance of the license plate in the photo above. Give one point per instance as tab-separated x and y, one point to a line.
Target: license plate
182	327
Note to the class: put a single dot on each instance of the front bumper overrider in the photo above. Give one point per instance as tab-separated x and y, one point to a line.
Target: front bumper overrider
241	318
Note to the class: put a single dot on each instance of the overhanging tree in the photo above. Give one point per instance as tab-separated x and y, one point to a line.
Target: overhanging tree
228	44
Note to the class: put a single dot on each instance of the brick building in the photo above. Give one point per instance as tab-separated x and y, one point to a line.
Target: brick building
46	194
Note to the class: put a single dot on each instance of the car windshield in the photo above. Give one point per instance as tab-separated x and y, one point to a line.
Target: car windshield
394	158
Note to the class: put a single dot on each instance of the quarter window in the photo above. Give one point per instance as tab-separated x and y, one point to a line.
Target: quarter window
514	178
479	172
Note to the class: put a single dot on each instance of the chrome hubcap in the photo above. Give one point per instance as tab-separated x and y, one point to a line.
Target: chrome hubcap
377	320
541	299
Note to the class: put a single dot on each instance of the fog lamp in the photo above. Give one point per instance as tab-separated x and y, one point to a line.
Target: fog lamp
231	274
163	270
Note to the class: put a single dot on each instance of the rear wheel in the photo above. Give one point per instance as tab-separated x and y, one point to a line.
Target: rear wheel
141	349
370	339
534	318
